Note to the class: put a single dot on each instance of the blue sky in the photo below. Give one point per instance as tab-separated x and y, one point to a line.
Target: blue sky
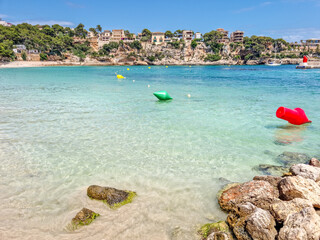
292	20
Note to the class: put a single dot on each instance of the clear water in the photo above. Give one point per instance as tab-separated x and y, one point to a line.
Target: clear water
65	128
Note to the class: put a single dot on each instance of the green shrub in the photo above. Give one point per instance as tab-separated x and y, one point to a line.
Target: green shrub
212	58
194	44
43	57
151	58
24	56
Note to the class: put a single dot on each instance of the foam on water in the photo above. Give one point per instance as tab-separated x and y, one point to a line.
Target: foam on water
65	128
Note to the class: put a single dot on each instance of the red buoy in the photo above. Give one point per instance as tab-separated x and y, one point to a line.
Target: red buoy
305	59
296	116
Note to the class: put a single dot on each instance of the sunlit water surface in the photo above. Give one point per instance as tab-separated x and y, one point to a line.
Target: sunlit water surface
65	128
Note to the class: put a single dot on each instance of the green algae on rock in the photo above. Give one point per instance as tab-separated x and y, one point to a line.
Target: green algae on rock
84	217
220	230
113	197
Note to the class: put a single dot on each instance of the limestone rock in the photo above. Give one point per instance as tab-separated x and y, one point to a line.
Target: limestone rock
216	231
282	209
249	222
304	225
314	162
290	158
84	217
299	187
113	197
259	193
271	169
306	171
273	180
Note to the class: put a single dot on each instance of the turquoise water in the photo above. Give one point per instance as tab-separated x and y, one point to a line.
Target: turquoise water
65	128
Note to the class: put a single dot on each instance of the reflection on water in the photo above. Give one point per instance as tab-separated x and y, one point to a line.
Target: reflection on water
288	134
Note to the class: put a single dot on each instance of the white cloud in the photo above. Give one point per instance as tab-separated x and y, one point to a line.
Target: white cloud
45	22
247	9
74	5
295	35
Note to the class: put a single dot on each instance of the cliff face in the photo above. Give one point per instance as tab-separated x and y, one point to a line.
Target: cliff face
167	54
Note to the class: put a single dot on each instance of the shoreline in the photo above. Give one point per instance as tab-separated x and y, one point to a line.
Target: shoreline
28	64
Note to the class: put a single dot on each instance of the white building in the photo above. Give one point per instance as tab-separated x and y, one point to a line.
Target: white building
4	23
19	48
198	35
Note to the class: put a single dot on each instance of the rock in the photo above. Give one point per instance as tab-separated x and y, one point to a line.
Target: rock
249	222
259	193
282	209
142	63
290	158
225	188
216	231
111	196
271	169
304	225
314	162
299	187
274	181
84	217
306	171
261	225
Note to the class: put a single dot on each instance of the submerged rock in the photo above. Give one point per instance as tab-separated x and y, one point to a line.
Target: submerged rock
113	197
299	187
259	193
84	217
269	169
282	209
306	171
216	231
304	225
250	222
290	158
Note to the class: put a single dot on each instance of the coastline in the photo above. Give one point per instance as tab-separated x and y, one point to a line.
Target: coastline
27	64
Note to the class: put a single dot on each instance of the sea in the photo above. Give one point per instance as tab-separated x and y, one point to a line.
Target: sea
63	129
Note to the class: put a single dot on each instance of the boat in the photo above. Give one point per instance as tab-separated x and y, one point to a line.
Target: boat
274	64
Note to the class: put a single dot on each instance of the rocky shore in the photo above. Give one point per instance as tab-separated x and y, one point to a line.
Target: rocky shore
272	207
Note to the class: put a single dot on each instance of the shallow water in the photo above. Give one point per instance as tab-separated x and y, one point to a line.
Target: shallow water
65	128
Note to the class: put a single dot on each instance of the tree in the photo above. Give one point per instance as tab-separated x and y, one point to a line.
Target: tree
194	44
80	31
6	52
178	33
136	44
24	56
99	28
93	30
212	36
147	34
168	34
212	57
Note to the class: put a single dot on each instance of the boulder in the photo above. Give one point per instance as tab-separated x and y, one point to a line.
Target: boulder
299	187
249	222
306	171
314	162
290	158
282	209
84	217
273	180
271	169
259	193
216	231
111	196
304	225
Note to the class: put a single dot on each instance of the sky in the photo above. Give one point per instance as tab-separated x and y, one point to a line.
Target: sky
292	20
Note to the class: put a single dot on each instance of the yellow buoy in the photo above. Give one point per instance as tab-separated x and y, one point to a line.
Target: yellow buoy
120	76
166	66
149	67
128	69
189	66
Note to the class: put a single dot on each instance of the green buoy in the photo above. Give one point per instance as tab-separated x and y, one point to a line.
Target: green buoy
162	95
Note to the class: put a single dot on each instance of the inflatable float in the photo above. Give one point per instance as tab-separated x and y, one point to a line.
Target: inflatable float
162	95
120	76
296	116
